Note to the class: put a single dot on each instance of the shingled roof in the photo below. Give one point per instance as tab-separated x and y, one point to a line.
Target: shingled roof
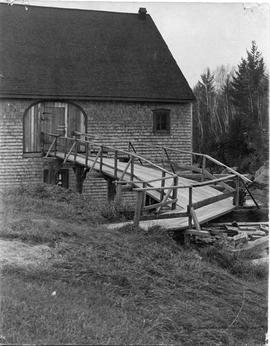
84	54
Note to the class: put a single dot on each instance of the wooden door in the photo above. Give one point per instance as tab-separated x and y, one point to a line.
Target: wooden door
31	129
52	121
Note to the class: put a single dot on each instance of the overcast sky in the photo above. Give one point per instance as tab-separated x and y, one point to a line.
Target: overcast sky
199	34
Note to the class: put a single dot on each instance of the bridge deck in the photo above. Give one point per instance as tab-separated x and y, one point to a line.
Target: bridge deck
145	173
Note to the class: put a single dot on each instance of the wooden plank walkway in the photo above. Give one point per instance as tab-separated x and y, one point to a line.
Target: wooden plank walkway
204	215
144	173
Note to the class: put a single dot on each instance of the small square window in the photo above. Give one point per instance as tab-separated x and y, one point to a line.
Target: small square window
161	121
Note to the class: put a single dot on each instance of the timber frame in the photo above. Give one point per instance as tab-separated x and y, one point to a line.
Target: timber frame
88	155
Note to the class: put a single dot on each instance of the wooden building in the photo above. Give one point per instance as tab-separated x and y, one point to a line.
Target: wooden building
108	74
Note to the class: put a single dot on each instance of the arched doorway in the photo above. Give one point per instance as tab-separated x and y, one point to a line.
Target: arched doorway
46	118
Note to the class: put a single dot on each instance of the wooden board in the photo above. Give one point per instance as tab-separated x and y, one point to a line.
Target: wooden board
204	214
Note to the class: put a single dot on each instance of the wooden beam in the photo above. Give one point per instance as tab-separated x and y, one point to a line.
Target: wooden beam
95	161
169	160
167	195
197	233
174	193
67	156
101	158
163	175
195	219
205	183
203	167
237	192
50	147
211	200
138	208
189	207
163	216
125	169
159	205
211	176
115	163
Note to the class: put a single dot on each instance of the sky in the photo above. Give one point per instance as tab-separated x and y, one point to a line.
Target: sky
198	34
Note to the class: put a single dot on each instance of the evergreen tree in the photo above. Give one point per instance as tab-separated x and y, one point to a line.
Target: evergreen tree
230	116
249	93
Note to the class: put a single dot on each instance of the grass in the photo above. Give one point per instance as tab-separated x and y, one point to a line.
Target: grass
238	264
122	286
58	203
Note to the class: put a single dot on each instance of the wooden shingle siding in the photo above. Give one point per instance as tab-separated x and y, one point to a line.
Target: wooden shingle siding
117	123
14	169
114	123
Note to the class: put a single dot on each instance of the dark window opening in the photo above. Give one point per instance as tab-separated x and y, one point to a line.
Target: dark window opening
161	121
61	178
46	176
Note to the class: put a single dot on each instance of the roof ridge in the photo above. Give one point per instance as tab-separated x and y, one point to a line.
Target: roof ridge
70	8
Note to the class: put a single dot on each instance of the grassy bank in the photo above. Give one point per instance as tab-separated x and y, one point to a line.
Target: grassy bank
123	286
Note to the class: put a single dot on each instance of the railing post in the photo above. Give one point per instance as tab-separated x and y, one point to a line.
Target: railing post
132	168
86	153
144	194
138	208
162	185
115	164
203	167
118	195
171	165
55	146
189	207
101	159
237	191
65	154
76	149
174	194
42	142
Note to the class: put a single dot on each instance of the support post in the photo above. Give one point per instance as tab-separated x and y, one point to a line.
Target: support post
86	153
115	163
144	194
118	195
163	175
76	149
189	207
237	191
246	187
195	219
174	194
138	208
170	162
55	146
65	147
80	174
101	159
203	167
132	169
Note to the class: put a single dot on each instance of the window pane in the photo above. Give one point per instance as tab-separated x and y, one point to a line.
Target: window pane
161	120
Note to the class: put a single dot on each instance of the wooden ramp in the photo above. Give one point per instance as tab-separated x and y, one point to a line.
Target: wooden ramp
190	203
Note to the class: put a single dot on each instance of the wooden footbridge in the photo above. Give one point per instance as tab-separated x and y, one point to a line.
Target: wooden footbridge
164	197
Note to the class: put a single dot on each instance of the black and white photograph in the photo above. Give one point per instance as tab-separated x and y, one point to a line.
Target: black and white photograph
134	172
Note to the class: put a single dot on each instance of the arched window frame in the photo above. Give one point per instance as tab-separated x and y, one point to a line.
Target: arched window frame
38	117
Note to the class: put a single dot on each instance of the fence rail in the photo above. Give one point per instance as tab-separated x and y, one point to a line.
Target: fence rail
94	155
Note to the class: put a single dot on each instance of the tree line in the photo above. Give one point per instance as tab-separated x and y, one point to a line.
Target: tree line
230	115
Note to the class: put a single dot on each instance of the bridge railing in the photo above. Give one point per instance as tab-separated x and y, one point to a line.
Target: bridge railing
192	206
203	169
93	156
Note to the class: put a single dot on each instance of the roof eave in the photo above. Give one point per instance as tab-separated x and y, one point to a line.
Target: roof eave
94	98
